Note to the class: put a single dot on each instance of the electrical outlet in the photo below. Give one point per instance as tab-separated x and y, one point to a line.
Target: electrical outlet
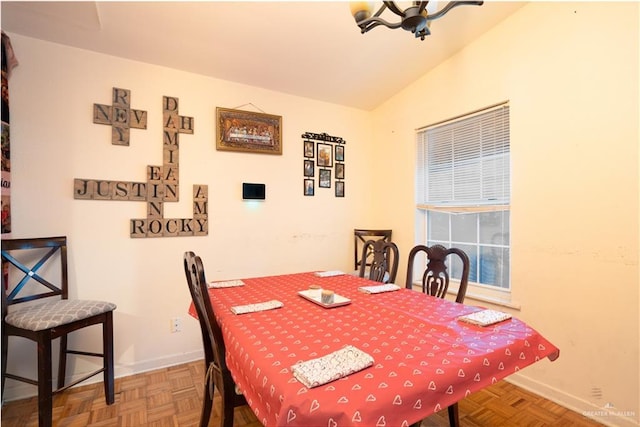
176	324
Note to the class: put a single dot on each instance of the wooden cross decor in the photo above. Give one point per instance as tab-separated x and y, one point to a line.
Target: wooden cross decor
161	185
119	116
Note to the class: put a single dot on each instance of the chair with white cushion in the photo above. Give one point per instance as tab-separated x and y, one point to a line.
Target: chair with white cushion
36	307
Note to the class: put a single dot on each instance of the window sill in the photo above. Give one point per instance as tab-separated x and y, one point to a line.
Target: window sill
514	305
502	299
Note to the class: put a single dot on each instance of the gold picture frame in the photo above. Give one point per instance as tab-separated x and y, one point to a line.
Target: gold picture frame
246	131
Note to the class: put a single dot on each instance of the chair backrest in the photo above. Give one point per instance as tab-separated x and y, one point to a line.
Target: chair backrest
212	340
360	237
43	263
381	259
435	279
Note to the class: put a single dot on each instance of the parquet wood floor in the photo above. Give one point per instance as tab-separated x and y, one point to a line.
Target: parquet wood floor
171	397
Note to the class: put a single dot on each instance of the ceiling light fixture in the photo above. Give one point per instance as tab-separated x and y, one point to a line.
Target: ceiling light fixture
415	18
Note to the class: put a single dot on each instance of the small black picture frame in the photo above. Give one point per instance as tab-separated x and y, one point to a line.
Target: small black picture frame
309	149
309	187
325	155
309	168
339	153
339	170
325	178
339	188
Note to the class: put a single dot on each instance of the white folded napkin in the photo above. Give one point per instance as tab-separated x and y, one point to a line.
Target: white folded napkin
329	273
376	289
331	367
226	284
485	317
260	306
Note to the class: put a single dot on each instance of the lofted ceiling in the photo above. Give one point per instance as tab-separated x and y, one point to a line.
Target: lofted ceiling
311	49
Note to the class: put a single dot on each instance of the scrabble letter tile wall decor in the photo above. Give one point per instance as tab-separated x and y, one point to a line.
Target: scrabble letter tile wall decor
162	184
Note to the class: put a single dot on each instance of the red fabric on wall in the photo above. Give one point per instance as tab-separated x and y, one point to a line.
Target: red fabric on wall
9	61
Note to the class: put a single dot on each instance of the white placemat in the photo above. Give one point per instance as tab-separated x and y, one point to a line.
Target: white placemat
485	317
376	289
226	284
259	306
329	273
331	367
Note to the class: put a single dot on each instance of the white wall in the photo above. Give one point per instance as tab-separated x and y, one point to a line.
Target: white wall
53	141
570	72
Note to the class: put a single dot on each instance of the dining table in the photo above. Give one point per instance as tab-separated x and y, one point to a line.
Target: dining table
424	358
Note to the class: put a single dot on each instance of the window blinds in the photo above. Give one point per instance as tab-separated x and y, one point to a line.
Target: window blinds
465	163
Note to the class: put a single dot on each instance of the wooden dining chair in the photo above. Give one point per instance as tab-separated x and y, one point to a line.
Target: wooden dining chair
361	235
218	375
379	261
435	278
435	282
56	316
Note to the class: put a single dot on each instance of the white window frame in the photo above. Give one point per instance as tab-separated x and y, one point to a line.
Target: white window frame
467	203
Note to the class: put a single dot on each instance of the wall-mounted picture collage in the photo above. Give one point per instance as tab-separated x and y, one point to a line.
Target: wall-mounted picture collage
323	154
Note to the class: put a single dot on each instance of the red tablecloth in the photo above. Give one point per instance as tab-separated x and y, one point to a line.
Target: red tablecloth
424	359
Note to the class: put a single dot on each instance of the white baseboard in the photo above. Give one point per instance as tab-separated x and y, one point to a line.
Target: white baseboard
16	390
153	364
612	417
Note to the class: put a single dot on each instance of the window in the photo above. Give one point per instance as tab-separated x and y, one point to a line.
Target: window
463	192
